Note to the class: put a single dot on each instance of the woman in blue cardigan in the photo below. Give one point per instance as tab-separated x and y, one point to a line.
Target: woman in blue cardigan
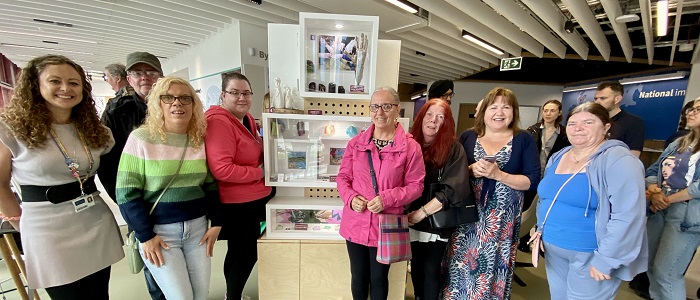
502	164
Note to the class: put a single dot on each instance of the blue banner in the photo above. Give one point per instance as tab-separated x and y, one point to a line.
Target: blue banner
658	103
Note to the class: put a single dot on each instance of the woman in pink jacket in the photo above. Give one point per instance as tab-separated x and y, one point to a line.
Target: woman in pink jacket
235	158
399	168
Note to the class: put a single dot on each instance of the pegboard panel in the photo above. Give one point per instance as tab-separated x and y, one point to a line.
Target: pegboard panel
355	108
321	193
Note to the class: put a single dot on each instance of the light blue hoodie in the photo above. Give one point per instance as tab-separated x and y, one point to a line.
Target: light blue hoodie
617	177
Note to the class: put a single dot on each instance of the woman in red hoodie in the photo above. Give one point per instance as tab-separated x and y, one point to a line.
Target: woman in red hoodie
235	158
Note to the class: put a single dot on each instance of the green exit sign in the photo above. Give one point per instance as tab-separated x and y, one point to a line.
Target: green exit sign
513	63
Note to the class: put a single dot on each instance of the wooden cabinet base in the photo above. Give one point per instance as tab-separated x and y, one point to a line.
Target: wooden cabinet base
312	269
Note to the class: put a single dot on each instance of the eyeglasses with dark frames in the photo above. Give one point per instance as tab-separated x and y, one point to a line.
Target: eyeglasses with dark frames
237	94
170	99
140	73
385	107
693	110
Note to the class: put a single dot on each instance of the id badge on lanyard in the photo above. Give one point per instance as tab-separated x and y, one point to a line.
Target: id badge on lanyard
83	201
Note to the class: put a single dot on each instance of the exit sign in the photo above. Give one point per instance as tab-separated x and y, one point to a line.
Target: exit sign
513	63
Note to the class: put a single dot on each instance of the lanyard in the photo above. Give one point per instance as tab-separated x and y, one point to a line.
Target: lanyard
72	163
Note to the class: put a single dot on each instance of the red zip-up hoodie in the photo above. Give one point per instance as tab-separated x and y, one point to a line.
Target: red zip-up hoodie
234	155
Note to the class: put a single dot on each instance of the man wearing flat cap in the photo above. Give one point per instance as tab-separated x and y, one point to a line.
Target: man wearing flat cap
443	89
124	114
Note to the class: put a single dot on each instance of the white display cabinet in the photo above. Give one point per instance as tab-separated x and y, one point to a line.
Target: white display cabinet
304	218
306	150
338	55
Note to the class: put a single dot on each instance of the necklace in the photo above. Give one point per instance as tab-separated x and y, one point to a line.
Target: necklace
578	160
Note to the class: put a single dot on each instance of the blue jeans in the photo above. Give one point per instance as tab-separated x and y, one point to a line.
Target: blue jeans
186	272
568	275
675	250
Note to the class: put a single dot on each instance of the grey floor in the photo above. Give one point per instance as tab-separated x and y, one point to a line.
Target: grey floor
126	286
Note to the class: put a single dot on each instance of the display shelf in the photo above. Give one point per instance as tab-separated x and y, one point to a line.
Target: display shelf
303	218
338	55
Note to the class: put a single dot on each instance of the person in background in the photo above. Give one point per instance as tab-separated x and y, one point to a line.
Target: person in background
626	127
443	89
176	242
115	76
235	157
682	125
674	226
446	166
398	163
594	234
124	114
478	106
550	137
503	163
51	141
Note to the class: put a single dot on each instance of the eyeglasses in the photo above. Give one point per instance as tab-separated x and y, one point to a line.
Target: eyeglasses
385	107
169	99
448	95
140	73
237	94
693	110
104	77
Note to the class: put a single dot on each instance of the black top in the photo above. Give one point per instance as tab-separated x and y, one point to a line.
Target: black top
561	141
122	115
628	129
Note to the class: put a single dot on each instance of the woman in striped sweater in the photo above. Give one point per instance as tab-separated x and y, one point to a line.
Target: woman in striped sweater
176	242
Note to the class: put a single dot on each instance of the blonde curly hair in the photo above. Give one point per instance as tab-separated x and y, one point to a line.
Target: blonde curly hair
30	119
155	121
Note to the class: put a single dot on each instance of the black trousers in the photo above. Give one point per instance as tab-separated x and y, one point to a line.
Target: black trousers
426	270
368	276
92	287
242	229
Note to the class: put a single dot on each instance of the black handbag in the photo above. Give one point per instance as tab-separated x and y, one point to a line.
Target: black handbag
452	216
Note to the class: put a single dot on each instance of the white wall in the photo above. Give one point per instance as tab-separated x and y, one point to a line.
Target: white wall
528	94
217	53
253	36
693	90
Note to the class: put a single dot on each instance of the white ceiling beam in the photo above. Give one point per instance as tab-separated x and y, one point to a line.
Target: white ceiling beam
645	11
426	64
432	69
518	16
438	63
422	74
296	6
459	44
676	28
448	29
247	10
552	16
268	7
419	79
488	17
417	69
466	22
613	10
584	16
173	11
413	41
226	13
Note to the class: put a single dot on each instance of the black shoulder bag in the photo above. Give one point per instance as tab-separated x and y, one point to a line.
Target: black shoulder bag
452	216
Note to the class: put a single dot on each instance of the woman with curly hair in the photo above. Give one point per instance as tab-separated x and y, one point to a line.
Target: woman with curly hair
51	143
165	191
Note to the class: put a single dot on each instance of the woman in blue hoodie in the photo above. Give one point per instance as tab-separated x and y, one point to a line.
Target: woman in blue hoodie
592	199
674	194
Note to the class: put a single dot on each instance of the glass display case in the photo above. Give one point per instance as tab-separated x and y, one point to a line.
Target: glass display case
338	55
304	218
306	150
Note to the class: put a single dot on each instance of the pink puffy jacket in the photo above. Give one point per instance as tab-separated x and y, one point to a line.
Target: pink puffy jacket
399	169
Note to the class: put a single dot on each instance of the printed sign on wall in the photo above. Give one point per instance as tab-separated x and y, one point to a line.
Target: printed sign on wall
658	103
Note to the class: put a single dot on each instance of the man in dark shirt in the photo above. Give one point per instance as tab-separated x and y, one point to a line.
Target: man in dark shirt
122	115
626	127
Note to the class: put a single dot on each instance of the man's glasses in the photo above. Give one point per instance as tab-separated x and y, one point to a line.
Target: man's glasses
237	94
139	73
169	99
447	95
104	77
693	110
385	107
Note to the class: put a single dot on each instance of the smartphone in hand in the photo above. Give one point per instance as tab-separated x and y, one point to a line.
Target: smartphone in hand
490	158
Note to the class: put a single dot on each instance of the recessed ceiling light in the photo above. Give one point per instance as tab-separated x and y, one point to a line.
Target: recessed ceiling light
414	75
339	26
53	22
181	44
51	42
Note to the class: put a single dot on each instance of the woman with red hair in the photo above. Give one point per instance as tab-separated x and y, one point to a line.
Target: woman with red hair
446	185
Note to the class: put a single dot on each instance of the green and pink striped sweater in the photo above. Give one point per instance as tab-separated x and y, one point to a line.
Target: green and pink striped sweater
146	167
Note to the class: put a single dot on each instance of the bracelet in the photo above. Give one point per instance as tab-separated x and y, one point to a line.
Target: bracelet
425	211
10	218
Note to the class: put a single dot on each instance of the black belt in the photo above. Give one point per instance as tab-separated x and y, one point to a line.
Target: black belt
57	193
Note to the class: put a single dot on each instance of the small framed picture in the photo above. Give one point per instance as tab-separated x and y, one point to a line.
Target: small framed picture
296	159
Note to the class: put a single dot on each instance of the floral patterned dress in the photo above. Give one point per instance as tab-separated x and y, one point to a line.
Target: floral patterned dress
480	256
